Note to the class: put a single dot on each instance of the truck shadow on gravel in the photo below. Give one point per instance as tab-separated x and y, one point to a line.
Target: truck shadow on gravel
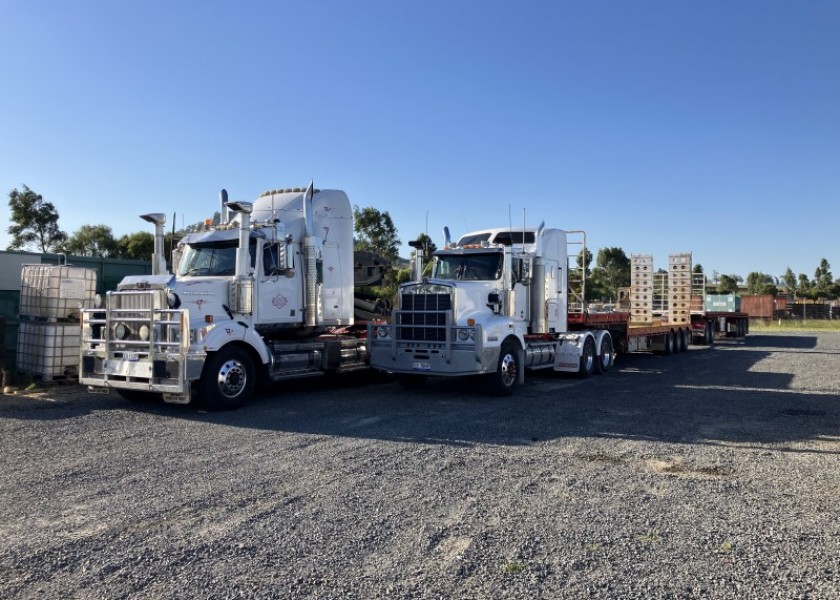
785	342
709	395
732	393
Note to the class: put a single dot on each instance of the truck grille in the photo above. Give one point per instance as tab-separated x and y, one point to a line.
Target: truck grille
422	317
117	328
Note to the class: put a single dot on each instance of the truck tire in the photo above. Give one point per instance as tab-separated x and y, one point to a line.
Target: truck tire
587	359
710	334
606	358
686	339
228	379
411	381
676	335
506	376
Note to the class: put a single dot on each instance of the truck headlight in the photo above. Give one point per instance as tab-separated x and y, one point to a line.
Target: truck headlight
466	334
172	299
382	332
144	332
121	331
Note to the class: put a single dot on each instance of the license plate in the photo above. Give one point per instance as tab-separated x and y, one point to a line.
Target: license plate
131	356
422	365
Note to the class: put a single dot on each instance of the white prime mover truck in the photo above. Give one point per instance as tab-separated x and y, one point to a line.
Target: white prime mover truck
497	302
265	295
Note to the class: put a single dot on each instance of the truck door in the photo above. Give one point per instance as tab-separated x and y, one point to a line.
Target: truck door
279	293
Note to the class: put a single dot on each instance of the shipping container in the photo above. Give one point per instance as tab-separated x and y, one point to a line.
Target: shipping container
758	306
722	303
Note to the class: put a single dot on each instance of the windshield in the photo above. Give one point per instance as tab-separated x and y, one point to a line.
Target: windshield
213	258
469	267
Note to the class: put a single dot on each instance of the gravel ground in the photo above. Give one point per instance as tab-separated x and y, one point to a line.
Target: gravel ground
709	474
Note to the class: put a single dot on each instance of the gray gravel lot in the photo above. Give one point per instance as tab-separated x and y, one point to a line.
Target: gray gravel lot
710	474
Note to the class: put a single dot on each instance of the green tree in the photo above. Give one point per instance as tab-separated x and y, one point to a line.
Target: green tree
139	245
790	280
428	247
805	288
761	283
612	271
92	240
584	258
823	280
728	284
34	222
376	232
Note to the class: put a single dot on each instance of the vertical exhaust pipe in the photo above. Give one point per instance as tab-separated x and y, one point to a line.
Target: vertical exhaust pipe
417	259
310	256
223	214
158	260
243	209
538	318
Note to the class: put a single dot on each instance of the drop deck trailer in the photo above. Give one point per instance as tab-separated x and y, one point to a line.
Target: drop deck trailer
668	338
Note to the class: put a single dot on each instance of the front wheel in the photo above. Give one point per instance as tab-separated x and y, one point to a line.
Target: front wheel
228	379
506	377
587	359
605	360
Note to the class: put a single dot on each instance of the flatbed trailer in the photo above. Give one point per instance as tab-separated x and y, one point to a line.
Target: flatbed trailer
661	336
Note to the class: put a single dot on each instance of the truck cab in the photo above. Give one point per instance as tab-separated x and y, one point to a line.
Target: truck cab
256	297
495	304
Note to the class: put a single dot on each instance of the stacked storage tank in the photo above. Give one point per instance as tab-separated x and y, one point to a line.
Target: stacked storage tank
49	334
641	288
679	288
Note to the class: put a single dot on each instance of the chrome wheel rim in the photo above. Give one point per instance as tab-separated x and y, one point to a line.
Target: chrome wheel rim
508	370
232	378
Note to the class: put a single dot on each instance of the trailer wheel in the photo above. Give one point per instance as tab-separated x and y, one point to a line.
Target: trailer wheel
685	339
710	337
587	359
228	379
411	381
669	343
506	377
677	336
607	356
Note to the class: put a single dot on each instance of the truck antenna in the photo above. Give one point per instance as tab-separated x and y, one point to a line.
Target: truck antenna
172	239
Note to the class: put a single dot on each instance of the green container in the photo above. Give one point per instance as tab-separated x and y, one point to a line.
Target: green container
722	303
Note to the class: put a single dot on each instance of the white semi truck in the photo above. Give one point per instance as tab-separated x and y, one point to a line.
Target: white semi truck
265	295
497	303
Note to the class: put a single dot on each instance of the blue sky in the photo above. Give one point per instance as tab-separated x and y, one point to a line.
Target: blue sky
656	126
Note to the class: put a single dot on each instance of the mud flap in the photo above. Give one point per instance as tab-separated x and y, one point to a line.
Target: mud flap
520	358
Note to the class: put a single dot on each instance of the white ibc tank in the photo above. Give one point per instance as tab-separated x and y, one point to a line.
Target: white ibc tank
55	293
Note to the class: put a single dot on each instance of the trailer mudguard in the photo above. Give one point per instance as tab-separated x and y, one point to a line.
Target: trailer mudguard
570	349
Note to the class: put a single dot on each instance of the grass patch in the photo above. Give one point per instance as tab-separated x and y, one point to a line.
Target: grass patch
514	567
794	325
648	538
